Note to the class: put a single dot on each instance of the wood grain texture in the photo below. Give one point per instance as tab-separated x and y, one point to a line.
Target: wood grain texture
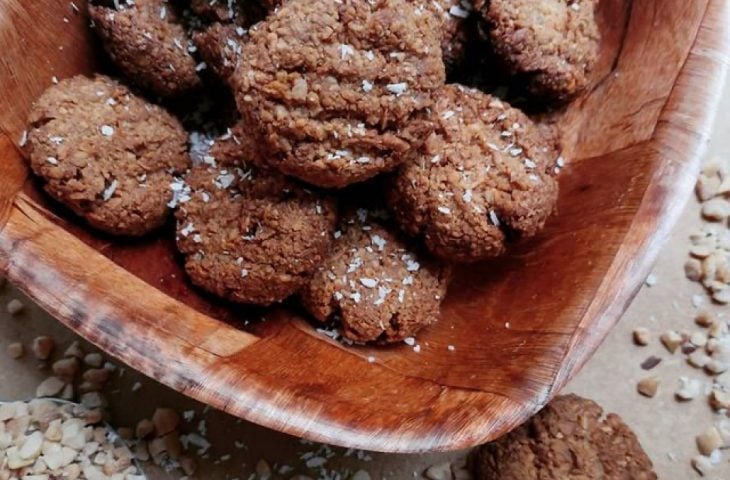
522	326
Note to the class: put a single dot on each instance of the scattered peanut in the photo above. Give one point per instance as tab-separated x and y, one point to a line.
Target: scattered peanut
720	400
441	471
94	360
74	350
144	428
702	464
641	336
704	318
360	475
66	368
43	347
165	421
709	441
671	340
698	359
648	386
689	389
15	307
50	387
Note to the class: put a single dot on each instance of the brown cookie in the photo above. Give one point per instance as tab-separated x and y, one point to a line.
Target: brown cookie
483	177
148	43
250	235
550	44
220	46
378	288
107	154
570	439
339	88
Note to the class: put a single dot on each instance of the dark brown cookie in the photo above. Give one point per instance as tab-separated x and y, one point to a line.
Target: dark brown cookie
220	46
339	88
375	285
106	154
149	45
250	236
569	439
550	44
483	176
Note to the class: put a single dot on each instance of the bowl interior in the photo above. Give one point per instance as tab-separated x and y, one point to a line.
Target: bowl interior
520	326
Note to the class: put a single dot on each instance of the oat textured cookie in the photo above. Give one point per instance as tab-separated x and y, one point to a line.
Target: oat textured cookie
148	43
339	89
250	235
550	44
378	288
570	439
481	179
106	154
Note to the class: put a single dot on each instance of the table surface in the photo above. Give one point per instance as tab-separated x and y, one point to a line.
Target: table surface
666	428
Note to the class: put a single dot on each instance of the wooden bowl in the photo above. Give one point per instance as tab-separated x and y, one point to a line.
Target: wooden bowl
521	326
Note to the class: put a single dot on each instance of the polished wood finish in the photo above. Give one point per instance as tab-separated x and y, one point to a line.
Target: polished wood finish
521	326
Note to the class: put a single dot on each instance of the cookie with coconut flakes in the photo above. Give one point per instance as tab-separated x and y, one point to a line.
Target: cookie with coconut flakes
339	89
148	42
375	285
482	179
551	45
107	154
250	235
570	439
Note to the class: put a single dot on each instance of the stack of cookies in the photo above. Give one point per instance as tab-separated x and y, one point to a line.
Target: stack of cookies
356	171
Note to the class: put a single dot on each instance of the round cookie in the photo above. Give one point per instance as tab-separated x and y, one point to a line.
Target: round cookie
550	44
106	154
250	235
339	89
482	178
378	288
148	43
570	439
220	46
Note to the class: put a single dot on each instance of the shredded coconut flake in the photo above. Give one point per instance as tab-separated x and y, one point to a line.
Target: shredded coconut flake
369	282
459	12
346	50
494	218
109	191
397	88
